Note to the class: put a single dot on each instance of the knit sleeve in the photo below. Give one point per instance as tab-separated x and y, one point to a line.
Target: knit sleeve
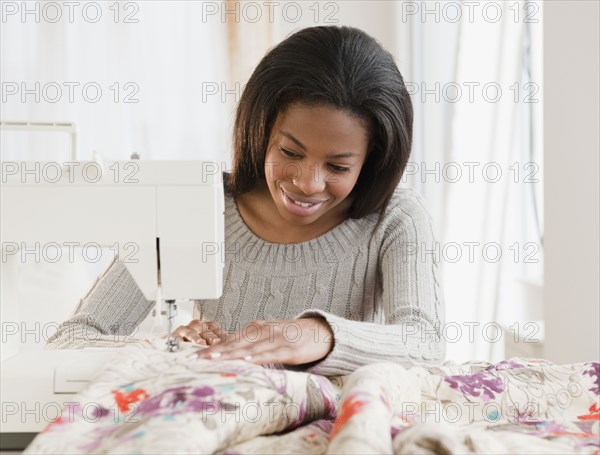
108	315
410	298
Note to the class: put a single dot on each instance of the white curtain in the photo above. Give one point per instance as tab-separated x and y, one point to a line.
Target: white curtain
477	161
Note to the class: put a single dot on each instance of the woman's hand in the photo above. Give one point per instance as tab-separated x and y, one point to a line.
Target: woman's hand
201	332
292	342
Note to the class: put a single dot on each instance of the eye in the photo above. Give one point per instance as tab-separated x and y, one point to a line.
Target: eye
339	169
288	153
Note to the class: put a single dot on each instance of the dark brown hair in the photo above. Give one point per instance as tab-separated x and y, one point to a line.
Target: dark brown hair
338	66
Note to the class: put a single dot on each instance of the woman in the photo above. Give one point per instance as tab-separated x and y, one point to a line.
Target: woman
328	263
322	136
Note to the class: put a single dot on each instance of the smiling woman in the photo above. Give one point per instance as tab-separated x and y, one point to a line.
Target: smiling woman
326	264
322	136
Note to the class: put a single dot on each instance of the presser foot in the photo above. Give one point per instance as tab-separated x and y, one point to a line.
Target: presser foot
172	344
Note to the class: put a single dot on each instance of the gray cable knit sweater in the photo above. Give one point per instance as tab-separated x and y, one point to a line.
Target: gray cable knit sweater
377	285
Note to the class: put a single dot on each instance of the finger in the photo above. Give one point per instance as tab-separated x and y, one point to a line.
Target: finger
216	328
260	353
210	337
188	334
210	331
179	332
242	343
229	344
280	354
236	350
271	356
197	325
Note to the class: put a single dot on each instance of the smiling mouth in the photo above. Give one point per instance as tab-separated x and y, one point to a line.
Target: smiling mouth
301	203
300	207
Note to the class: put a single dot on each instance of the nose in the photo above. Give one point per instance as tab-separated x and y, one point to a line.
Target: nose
310	179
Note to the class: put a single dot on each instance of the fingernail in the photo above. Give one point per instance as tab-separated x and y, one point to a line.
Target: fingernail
248	357
214	355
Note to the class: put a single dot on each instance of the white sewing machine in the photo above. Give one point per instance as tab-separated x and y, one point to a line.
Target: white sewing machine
164	218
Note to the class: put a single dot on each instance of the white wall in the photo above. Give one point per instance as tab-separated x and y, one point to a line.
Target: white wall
572	201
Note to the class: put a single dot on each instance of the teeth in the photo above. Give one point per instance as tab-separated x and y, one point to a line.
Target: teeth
303	204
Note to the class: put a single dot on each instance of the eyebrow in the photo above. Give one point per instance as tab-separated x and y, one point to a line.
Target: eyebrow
303	147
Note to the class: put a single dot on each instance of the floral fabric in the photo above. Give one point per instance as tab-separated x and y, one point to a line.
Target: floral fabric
152	401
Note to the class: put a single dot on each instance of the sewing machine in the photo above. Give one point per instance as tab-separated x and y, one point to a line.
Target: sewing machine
163	218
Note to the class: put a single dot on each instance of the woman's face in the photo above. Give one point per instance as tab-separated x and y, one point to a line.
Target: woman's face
313	160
